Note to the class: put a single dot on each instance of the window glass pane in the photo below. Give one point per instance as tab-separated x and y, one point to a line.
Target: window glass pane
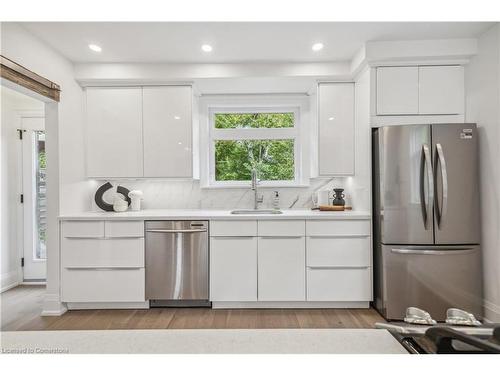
254	120
273	159
41	196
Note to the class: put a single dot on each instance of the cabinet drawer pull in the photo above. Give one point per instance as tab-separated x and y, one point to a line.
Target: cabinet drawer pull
102	268
340	236
337	267
232	237
280	237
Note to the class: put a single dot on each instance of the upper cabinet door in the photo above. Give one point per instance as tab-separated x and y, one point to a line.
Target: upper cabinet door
114	132
397	90
441	90
336	129
167	131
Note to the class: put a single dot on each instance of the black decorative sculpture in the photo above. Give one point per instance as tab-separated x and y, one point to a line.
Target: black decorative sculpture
103	205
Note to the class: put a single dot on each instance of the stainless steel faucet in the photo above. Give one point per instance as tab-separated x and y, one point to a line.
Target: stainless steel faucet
255	182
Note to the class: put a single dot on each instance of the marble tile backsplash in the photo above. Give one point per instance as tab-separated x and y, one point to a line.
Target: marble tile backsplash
188	194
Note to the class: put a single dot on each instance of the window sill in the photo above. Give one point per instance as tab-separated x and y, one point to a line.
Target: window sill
260	187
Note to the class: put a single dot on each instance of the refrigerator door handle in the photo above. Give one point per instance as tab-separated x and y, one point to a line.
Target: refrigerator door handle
432	252
441	212
426	205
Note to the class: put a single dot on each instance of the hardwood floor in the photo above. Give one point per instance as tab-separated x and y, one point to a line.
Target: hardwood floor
22	305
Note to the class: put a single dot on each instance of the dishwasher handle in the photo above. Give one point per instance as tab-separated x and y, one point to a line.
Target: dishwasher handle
175	230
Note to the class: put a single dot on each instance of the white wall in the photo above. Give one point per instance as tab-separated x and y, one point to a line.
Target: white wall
67	188
483	107
12	106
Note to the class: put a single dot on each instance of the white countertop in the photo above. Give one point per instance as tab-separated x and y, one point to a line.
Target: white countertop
204	214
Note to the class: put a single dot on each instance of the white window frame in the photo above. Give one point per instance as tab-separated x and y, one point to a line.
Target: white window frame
211	105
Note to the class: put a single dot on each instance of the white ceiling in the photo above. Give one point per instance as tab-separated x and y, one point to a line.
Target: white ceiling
233	42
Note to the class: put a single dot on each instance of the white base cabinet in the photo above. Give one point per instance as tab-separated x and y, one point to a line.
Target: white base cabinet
290	263
339	284
103	285
233	269
102	262
281	269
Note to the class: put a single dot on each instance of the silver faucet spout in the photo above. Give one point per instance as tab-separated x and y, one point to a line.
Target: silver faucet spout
255	182
254	179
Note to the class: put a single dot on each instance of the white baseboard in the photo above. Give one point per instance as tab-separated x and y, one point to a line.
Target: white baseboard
491	312
9	280
52	305
107	305
290	305
33	283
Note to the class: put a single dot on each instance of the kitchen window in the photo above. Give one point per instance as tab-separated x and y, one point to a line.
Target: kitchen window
267	137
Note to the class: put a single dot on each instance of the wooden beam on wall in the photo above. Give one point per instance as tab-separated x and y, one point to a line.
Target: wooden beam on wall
18	74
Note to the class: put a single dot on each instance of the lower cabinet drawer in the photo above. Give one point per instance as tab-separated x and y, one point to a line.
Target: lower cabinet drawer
93	252
103	285
339	284
133	228
337	227
334	252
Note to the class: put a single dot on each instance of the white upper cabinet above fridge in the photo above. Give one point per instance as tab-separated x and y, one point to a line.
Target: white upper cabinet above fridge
420	90
139	132
114	132
167	131
441	90
336	129
397	90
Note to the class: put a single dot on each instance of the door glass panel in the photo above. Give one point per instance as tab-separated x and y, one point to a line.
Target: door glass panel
40	179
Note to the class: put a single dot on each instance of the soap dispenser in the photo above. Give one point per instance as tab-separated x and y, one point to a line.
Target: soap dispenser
276	200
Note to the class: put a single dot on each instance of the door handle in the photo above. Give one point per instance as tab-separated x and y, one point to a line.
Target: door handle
175	230
432	252
426	205
441	212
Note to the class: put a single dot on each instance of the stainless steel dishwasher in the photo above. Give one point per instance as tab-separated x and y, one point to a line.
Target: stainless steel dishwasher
177	263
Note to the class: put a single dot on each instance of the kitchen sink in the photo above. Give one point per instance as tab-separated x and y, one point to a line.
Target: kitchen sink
256	212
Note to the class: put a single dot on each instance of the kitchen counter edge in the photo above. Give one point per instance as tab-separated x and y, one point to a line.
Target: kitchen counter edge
216	215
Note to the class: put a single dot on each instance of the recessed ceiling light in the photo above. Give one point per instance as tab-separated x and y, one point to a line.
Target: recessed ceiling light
317	47
177	117
206	48
95	47
331	118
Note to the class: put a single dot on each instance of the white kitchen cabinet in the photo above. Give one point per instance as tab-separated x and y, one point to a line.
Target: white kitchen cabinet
339	284
97	252
102	261
83	229
167	133
340	251
233	269
336	129
114	144
103	285
397	90
232	228
281	269
441	90
124	229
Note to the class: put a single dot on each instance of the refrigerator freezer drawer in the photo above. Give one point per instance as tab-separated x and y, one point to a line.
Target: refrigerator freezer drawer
432	278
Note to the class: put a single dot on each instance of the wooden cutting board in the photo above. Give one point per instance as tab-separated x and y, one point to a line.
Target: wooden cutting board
331	208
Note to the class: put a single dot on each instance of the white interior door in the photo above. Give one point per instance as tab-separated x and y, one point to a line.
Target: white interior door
34	198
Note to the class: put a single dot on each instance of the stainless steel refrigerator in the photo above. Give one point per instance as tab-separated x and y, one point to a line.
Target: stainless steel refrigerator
426	219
